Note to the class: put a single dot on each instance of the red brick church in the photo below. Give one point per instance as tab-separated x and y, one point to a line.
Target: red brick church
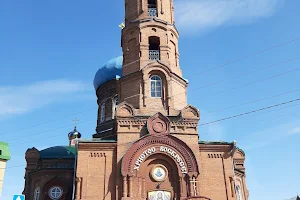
146	144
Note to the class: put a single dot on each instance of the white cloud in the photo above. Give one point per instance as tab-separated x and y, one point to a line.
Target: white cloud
25	98
295	130
206	14
268	136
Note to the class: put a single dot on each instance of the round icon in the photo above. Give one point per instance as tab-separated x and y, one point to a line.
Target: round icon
159	173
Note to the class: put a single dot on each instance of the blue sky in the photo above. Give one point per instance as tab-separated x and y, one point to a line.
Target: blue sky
50	51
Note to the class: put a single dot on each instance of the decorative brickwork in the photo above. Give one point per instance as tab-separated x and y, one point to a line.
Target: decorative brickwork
146	144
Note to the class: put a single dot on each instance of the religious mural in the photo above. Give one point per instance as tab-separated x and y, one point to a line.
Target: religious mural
159	195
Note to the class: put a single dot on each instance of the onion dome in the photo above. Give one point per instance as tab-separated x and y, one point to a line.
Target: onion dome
109	71
74	134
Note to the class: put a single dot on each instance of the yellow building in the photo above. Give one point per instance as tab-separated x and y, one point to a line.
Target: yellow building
4	157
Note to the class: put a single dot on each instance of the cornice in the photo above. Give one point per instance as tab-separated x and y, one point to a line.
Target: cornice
239	172
96	146
214	148
155	19
143	121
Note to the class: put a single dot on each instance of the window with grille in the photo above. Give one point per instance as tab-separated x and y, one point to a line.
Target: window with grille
154	48
55	193
152	8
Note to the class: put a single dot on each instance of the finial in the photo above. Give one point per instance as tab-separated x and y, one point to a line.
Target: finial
122	25
234	142
75	122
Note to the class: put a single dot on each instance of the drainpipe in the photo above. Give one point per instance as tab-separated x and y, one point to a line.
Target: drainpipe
224	174
232	153
75	168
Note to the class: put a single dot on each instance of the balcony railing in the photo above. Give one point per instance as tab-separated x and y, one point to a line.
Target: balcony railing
154	55
152	12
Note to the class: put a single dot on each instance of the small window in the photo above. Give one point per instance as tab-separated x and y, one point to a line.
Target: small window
102	113
37	192
55	193
0	152
115	102
156	86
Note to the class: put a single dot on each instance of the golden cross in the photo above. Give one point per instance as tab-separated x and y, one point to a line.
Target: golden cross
75	121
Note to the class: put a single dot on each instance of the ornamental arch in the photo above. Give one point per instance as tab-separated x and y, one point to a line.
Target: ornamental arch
167	145
159	162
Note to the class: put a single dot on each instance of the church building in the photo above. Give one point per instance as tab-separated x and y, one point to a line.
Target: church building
147	144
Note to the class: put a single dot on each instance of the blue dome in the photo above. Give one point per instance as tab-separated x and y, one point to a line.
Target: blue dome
111	70
74	134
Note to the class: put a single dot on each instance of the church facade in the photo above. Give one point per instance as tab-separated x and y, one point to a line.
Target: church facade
146	144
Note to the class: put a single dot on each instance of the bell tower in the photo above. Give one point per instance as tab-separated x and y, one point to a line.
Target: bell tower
151	58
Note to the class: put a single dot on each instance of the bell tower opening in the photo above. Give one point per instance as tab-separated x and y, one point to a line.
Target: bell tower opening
152	8
154	48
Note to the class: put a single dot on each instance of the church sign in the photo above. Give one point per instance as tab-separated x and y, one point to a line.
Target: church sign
163	149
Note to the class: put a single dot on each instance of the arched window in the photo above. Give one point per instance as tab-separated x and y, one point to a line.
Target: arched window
37	192
116	102
102	113
155	86
152	8
239	193
55	193
115	105
154	48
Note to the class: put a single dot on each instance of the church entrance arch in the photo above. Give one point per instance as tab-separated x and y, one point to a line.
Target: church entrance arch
159	165
161	177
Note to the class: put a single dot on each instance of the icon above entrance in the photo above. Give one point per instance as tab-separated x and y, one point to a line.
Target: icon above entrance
159	195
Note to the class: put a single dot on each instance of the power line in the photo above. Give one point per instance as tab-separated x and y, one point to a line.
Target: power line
254	101
248	56
253	111
250	83
46	122
265	119
227	63
247	73
38	133
238	76
207	123
16	166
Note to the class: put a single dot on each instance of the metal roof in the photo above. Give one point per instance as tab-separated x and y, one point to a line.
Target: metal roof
4	151
99	140
214	142
58	152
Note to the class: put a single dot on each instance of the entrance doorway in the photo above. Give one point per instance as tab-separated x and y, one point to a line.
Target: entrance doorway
161	178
